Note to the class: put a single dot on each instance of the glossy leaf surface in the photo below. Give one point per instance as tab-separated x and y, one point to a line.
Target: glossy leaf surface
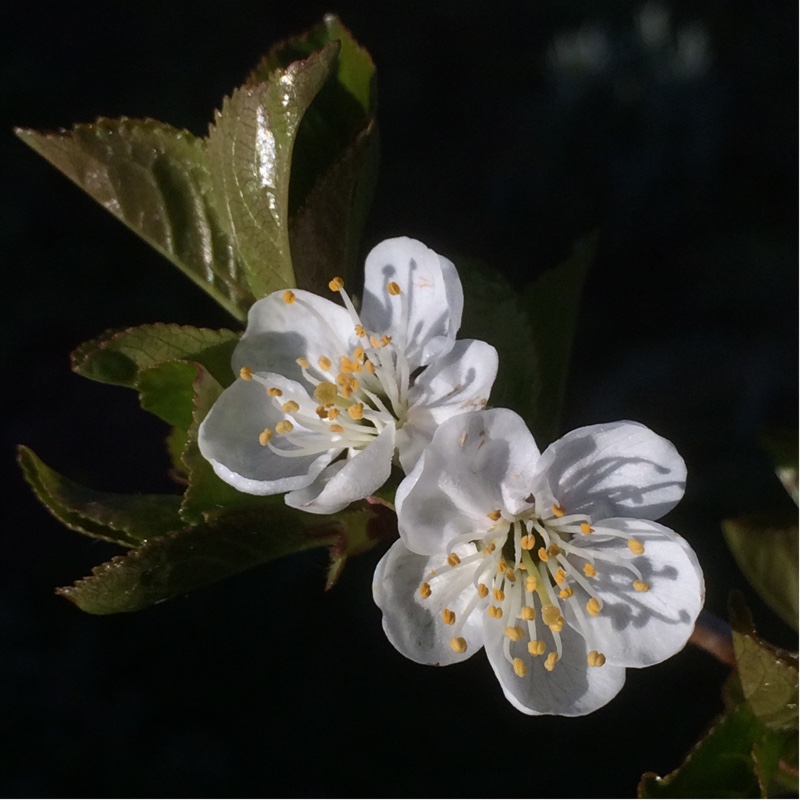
156	180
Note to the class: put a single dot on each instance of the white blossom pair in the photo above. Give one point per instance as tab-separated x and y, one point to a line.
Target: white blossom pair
549	561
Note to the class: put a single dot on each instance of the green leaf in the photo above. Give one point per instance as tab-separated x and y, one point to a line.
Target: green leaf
326	231
116	357
552	302
228	542
775	760
493	313
767	553
167	390
768	675
124	519
720	765
155	179
250	156
335	161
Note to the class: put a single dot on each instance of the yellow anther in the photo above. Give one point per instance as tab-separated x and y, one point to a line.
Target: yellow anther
284	427
322	412
336	428
527	612
554	550
595	659
519	667
360	332
274	391
550	661
425	590
531	582
483	590
393	288
336	284
448	617
560	576
557	510
641	586
491	547
501	565
523	567
593	606
515	633
536	647
304	363
385	339
511	576
333	413
265	437
324	363
369	367
586	528
359	354
290	407
453	560
347	365
527	542
550	615
495	612
542	553
288	296
325	393
635	546
499	595
589	571
356	411
458	644
566	592
375	341
495	515
246	374
558	626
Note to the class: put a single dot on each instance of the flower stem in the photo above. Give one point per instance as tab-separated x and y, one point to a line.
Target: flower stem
713	635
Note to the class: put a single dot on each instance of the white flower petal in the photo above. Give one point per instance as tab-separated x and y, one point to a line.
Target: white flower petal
477	462
433	298
358	477
637	629
459	381
278	333
571	689
228	438
414	625
613	470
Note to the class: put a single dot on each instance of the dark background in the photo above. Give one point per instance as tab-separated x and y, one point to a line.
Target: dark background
505	137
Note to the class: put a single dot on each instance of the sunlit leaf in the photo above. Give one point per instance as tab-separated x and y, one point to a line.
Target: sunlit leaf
125	519
155	179
250	156
117	356
227	543
768	675
552	302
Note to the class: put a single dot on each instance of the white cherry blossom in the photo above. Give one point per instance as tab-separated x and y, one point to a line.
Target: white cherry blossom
328	397
549	561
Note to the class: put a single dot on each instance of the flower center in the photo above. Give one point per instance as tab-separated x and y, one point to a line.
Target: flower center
351	394
529	573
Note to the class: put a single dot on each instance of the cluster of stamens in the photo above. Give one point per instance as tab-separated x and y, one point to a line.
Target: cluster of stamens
526	571
353	395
